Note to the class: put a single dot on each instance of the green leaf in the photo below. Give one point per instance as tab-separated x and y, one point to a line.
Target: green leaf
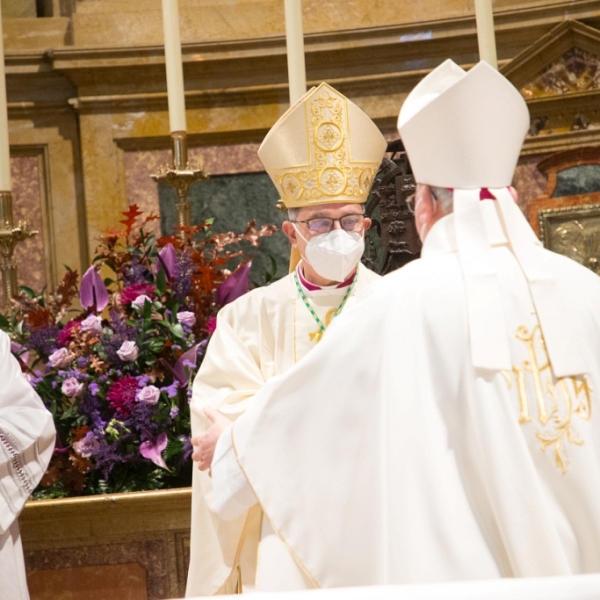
156	345
147	310
27	291
161	282
177	330
4	324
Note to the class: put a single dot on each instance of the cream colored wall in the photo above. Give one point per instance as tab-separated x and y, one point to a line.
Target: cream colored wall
91	79
18	8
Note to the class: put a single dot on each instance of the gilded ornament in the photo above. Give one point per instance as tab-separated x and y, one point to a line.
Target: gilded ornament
556	400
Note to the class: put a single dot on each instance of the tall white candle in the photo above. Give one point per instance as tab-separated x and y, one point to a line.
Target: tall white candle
4	147
294	38
170	9
486	37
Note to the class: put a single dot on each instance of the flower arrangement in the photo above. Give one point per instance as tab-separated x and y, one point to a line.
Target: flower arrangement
116	375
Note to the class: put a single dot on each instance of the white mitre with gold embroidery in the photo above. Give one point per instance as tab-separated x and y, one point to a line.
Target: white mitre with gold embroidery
464	130
323	149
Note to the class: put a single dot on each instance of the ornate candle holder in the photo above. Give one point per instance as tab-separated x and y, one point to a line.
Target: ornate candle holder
10	236
181	177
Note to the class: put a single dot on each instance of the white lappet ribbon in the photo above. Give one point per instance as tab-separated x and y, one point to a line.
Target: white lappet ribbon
487	328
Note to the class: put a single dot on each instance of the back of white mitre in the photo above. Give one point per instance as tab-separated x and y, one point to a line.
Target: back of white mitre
464	131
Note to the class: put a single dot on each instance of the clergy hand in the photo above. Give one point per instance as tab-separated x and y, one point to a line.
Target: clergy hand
205	443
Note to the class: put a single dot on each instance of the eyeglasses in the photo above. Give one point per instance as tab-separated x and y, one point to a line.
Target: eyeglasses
320	225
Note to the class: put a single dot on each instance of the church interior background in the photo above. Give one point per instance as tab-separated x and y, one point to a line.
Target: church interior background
88	126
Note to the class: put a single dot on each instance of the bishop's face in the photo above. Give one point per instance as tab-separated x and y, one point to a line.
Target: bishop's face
323	218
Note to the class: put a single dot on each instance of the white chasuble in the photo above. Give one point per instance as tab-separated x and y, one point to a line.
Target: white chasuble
26	443
258	337
385	457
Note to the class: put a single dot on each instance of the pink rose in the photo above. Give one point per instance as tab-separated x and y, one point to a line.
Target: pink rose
141	300
185	317
149	394
71	387
92	323
87	445
59	358
128	351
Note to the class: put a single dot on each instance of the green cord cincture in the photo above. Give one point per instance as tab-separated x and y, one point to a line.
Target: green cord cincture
319	333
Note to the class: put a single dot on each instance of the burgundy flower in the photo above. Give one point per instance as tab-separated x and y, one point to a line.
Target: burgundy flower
130	293
65	335
236	285
211	325
93	292
121	395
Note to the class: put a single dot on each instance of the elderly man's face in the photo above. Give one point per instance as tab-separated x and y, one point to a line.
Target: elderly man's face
314	220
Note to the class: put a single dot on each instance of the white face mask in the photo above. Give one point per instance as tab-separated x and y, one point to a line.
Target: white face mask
334	255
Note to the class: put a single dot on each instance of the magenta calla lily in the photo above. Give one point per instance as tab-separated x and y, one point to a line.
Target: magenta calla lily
152	449
167	260
93	292
236	285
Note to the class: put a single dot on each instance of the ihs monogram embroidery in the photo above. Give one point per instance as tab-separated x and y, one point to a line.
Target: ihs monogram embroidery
556	401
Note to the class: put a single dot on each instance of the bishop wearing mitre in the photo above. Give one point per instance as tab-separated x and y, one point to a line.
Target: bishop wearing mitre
27	437
322	156
445	428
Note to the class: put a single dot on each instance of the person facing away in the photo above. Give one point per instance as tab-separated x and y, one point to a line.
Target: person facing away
27	438
322	156
445	428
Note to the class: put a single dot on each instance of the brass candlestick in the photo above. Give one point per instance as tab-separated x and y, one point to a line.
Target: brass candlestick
10	236
181	177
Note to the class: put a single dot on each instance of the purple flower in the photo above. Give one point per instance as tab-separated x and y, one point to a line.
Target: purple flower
173	412
59	358
92	323
187	359
167	260
19	351
93	292
141	300
128	351
94	388
236	285
171	389
185	317
86	446
149	394
71	387
152	449
43	339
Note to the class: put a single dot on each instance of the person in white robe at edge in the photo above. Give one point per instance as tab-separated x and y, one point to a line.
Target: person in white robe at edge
322	156
27	438
444	429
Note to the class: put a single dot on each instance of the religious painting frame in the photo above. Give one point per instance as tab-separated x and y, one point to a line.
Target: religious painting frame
573	232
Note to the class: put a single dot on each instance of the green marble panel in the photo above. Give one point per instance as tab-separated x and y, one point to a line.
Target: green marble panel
233	201
582	179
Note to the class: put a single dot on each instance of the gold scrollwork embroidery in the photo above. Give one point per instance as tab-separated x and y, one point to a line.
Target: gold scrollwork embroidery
331	172
556	400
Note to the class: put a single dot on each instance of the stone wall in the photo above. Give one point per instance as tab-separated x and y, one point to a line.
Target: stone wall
87	90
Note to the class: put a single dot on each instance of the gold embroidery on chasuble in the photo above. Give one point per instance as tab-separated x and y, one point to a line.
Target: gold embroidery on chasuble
555	402
331	171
